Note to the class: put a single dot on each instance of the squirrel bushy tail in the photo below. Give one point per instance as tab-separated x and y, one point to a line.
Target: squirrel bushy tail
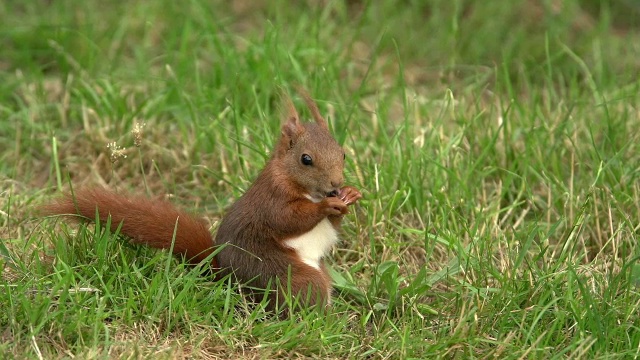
146	221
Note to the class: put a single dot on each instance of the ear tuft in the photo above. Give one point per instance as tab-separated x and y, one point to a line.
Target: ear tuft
312	107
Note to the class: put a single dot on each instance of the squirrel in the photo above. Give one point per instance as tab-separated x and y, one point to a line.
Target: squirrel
276	233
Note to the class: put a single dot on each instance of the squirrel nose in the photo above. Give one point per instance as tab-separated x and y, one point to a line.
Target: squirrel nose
336	184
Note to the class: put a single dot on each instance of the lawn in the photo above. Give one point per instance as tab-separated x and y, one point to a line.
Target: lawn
495	143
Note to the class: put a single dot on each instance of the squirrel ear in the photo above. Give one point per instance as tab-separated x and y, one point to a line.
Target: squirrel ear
292	127
312	107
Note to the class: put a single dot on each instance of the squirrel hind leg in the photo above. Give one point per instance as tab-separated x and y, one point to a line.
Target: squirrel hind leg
308	286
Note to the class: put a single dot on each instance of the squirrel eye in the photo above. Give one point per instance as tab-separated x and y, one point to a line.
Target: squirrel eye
344	156
306	159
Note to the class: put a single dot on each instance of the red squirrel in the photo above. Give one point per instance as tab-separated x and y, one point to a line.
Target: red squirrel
276	234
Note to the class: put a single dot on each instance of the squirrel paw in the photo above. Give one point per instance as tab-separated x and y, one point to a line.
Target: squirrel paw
335	206
350	195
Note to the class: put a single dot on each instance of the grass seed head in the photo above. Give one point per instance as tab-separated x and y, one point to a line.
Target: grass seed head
137	133
115	152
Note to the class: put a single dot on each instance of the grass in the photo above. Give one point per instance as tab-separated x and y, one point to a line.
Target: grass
496	145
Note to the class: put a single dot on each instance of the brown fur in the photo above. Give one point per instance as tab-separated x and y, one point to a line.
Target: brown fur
286	200
146	221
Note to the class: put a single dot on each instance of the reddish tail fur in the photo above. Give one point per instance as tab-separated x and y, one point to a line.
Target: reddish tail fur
145	221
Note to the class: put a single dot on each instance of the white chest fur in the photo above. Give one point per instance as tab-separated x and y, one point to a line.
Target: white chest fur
312	246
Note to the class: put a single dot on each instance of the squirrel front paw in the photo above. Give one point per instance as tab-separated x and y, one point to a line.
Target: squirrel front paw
349	195
334	206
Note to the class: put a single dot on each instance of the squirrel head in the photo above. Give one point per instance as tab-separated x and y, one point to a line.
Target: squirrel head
309	155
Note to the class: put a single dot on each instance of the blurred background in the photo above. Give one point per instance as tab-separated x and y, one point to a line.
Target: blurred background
439	37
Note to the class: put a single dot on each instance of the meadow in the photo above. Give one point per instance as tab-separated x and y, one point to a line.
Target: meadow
495	143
